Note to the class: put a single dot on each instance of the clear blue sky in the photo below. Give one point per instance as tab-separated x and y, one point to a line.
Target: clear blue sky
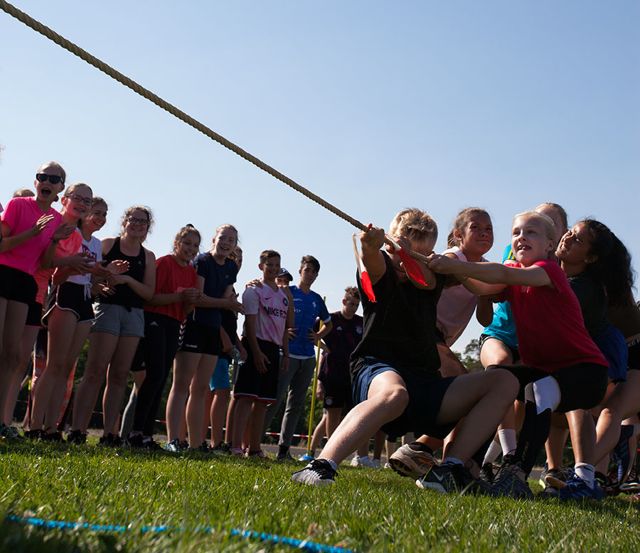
373	105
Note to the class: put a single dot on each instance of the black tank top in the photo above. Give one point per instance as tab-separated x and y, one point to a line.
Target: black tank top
124	295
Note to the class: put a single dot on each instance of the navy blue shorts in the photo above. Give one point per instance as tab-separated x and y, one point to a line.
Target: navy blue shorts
426	391
613	346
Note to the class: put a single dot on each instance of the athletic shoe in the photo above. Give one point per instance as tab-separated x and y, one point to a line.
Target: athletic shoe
557	478
511	481
257	454
35	434
364	461
576	489
174	446
451	478
202	448
77	437
487	473
549	492
9	432
135	441
409	462
306	458
55	436
236	452
318	472
223	448
110	440
285	457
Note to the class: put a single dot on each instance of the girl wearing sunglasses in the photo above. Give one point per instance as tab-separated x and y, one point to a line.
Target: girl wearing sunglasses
31	230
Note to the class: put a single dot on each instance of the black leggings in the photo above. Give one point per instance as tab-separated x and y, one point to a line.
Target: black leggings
155	355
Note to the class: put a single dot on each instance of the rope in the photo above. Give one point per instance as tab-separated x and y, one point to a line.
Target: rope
173	110
305	545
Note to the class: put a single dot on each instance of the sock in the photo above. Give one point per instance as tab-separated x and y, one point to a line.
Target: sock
492	453
586	472
452	461
333	464
419	446
535	431
508	440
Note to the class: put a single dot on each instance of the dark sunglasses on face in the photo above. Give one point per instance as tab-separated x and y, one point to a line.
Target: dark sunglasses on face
43	177
137	221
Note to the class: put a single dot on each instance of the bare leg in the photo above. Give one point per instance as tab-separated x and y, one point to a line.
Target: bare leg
242	414
257	424
13	323
184	367
26	354
117	376
195	404
554	446
218	413
230	415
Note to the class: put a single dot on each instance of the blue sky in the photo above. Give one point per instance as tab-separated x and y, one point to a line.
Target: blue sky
374	106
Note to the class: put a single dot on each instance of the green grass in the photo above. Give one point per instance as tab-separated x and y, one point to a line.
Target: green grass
366	510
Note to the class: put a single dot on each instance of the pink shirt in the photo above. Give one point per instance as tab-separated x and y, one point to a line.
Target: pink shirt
455	306
549	323
271	307
69	246
20	215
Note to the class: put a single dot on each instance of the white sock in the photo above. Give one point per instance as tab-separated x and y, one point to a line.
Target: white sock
508	440
492	452
452	461
333	464
586	472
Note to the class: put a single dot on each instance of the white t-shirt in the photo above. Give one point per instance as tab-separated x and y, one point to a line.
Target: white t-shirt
92	248
271	307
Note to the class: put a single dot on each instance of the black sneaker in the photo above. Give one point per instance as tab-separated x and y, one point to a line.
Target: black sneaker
55	436
285	457
135	441
223	448
487	473
77	437
111	440
202	448
452	478
174	446
34	434
318	472
511	481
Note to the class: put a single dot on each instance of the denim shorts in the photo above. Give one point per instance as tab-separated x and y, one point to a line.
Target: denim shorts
118	320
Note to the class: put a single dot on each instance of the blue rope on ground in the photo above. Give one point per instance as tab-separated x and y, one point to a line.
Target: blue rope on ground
306	545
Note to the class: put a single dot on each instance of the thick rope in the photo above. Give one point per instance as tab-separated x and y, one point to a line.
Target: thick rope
145	93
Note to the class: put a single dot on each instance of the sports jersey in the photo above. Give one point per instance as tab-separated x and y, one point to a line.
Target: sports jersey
308	306
271	307
216	280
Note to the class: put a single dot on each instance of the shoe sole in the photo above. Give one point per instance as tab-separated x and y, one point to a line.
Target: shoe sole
554	482
410	470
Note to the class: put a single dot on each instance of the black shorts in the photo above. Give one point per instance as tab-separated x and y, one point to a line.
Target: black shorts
34	314
16	285
426	390
582	386
337	393
70	296
634	355
199	338
515	354
259	386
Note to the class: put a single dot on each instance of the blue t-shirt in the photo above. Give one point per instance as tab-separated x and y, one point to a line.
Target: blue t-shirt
503	326
308	307
216	280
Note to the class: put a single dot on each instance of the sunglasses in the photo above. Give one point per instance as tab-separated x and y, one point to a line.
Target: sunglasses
137	221
43	177
80	199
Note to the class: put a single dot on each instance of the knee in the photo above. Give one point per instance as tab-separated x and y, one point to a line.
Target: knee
505	383
396	400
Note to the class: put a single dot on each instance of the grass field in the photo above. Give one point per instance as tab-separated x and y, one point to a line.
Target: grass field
366	510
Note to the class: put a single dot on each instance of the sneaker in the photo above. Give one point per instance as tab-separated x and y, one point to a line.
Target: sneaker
285	457
409	462
35	434
632	484
549	492
511	481
306	458
77	437
110	440
487	473
174	446
257	454
557	478
364	461
9	432
236	452
318	472
451	478
202	448
576	489
55	436
135	441
223	448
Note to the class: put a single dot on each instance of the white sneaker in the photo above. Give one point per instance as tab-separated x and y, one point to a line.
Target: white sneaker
409	462
364	461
